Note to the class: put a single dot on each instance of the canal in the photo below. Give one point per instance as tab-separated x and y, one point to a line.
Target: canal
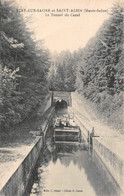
68	171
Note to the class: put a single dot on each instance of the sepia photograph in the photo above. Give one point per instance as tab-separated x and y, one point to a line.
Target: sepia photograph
61	98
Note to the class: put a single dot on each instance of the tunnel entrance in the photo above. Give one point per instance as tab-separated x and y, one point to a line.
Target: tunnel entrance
61	104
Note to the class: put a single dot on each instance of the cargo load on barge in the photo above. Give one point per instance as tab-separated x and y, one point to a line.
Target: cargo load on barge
66	131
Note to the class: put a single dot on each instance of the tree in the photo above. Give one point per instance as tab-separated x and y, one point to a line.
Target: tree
63	72
25	65
100	67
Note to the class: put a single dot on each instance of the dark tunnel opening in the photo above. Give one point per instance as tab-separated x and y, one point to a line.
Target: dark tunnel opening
61	104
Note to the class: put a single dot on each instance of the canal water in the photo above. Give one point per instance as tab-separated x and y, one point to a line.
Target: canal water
69	171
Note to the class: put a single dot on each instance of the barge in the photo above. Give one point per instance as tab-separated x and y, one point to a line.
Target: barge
66	132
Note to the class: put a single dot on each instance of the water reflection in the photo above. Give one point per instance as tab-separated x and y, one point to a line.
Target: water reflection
70	172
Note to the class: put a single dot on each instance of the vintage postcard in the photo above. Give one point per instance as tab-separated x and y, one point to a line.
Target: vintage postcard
61	98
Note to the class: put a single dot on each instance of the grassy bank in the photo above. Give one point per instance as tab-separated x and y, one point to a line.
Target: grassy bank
108	109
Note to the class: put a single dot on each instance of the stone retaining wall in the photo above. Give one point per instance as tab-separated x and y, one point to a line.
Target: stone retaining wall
17	183
112	165
46	123
112	162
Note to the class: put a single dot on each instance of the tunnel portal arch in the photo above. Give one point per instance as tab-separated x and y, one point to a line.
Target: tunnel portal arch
61	95
61	104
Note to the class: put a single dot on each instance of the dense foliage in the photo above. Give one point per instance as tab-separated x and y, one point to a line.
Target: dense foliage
62	74
24	66
100	70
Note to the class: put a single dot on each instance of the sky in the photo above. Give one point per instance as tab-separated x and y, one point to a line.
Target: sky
65	32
